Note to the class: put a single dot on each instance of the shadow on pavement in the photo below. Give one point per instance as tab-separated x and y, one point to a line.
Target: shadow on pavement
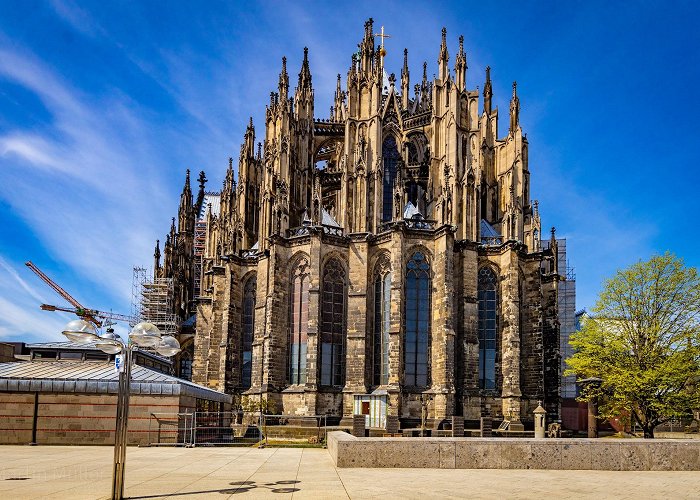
237	487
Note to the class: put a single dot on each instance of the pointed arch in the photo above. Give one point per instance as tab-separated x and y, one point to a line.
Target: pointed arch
417	319
488	305
247	329
333	323
298	320
390	164
381	318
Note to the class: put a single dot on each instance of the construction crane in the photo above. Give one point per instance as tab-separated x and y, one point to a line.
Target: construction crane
92	315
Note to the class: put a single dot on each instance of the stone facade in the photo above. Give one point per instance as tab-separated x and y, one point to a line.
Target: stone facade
425	217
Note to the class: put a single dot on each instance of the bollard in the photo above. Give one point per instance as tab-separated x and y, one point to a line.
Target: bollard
358	426
540	414
392	424
457	426
486	427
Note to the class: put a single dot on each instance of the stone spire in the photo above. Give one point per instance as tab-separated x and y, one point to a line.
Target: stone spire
202	180
443	58
367	48
514	110
339	99
284	81
305	73
156	259
185	204
461	66
488	91
405	80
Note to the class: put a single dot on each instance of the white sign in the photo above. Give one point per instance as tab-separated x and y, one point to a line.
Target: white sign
119	363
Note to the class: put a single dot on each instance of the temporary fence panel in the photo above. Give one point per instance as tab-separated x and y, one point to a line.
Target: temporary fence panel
295	428
223	429
170	429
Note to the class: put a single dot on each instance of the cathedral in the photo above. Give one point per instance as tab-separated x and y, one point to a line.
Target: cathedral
386	260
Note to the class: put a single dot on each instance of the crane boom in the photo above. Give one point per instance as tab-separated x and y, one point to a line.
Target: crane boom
81	311
54	285
89	312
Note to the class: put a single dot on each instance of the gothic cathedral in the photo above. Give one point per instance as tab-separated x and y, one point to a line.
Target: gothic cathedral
390	254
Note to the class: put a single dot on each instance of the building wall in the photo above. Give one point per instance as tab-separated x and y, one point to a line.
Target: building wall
80	419
315	188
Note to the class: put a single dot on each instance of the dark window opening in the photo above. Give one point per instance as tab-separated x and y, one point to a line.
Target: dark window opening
417	316
488	327
333	325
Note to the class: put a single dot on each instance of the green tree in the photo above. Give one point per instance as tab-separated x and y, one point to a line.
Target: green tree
643	340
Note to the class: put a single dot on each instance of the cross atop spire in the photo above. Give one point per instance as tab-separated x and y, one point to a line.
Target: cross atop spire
382	50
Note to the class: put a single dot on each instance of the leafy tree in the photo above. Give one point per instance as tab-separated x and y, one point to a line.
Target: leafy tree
643	341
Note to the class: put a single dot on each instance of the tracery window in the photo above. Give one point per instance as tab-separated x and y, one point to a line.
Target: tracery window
186	366
382	322
417	316
333	324
390	157
298	322
488	327
247	327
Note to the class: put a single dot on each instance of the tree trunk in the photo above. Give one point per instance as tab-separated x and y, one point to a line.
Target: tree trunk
648	432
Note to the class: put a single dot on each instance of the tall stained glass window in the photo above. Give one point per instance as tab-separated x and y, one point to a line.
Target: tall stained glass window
382	322
390	157
333	324
488	327
248	325
298	322
417	316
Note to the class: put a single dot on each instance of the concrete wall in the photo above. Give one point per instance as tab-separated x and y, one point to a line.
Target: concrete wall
505	453
78	419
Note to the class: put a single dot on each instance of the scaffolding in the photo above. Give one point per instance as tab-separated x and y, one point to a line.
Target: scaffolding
137	281
567	317
200	235
157	304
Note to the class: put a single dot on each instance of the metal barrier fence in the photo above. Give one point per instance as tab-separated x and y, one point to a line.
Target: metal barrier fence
170	429
234	428
309	429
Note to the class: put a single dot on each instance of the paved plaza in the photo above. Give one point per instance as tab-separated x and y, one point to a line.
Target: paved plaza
85	472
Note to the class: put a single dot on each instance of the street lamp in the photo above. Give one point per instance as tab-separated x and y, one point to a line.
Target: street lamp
142	335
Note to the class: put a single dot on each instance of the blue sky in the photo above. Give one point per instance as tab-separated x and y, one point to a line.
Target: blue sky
103	105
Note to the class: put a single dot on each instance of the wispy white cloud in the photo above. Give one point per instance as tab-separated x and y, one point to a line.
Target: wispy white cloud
20	316
95	178
77	18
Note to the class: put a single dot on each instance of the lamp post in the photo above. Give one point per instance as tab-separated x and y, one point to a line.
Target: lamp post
144	335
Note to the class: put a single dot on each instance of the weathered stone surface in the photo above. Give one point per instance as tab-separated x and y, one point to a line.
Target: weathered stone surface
510	453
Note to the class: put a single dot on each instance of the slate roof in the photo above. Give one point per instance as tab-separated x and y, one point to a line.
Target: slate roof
213	200
96	378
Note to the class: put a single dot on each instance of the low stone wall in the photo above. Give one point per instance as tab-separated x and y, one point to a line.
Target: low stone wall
509	453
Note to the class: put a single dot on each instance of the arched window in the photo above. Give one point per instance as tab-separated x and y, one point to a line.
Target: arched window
333	324
417	316
390	157
382	322
298	322
247	329
488	327
186	366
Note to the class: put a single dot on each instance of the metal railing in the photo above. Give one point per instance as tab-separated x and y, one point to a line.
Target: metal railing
294	429
235	429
